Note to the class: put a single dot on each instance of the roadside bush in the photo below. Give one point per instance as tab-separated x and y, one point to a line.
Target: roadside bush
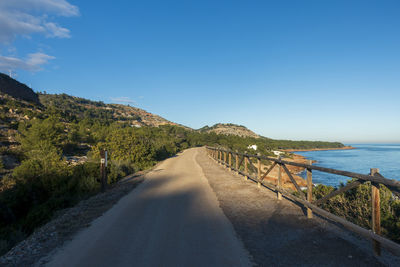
118	169
355	206
42	184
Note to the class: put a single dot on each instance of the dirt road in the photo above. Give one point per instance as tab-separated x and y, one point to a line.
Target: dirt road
172	219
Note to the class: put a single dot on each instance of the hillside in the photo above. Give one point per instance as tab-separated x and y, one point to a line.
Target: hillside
16	89
13	111
229	129
80	108
20	105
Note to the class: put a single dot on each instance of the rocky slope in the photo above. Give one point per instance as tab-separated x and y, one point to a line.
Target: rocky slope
83	108
229	129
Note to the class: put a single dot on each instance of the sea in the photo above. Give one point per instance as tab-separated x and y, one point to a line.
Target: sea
385	157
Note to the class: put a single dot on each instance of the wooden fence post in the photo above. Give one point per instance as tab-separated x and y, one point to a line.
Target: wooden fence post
279	195
230	160
237	162
246	171
376	212
225	159
309	190
258	172
103	169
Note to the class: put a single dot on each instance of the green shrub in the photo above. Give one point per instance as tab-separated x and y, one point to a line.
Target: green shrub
355	206
38	133
118	169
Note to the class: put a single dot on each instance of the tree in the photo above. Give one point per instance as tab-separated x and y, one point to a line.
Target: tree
39	134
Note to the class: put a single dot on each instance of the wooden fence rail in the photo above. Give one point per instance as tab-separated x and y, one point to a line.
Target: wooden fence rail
255	174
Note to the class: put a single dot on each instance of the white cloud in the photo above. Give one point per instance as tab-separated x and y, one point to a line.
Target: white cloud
32	63
27	17
53	30
59	7
123	100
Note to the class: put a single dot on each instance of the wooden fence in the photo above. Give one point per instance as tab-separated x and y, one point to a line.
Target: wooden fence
244	164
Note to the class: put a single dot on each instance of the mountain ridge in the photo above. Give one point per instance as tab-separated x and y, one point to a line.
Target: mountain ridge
16	89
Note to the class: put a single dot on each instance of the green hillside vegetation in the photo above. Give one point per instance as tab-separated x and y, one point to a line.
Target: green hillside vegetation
355	206
76	108
47	135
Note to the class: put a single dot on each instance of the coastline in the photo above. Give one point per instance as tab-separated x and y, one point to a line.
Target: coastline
303	159
318	149
295	170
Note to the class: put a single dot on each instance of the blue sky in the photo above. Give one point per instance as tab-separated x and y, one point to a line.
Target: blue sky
303	70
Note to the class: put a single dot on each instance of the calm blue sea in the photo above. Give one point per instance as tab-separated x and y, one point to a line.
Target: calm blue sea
365	156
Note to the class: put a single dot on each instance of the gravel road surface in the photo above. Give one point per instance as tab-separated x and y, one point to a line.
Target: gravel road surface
172	218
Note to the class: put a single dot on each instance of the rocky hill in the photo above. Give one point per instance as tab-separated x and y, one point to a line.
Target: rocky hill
18	103
16	89
229	129
83	108
21	102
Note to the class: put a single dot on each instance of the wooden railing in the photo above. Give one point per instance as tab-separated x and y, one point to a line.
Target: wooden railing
244	164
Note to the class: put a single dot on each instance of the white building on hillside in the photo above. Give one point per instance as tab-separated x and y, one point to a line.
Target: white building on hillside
252	147
278	153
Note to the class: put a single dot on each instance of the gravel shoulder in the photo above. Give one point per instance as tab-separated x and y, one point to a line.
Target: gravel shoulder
277	233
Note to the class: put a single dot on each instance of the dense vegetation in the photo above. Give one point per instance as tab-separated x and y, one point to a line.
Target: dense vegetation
48	135
355	206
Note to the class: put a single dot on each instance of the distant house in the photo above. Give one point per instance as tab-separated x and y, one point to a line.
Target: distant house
278	153
252	147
